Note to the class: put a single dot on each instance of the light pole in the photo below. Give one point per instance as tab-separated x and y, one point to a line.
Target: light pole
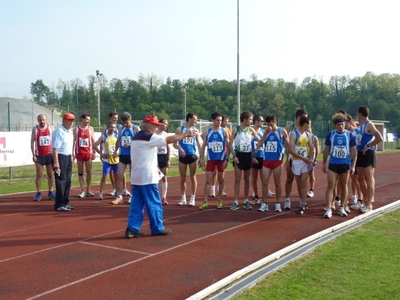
98	74
184	102
237	66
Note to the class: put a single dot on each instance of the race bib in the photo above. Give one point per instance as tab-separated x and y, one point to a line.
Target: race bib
44	140
126	140
84	143
244	146
339	152
188	140
255	145
216	147
302	151
111	150
271	146
358	139
162	150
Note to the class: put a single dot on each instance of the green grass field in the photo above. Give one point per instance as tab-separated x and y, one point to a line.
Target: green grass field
360	264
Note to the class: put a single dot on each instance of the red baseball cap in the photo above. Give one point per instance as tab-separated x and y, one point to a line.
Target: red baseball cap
152	120
69	116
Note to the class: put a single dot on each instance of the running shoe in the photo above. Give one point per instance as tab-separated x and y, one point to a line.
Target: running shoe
89	193
182	202
224	194
287	204
347	209
38	196
366	209
255	200
328	213
127	193
356	206
302	210
130	200
118	200
70	207
112	193
310	194
100	196
354	199
341	212
192	202
62	208
131	234
247	205
278	207
82	194
271	194
235	206
219	203
264	207
204	205
51	195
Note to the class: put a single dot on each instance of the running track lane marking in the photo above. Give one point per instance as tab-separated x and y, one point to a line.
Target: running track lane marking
143	258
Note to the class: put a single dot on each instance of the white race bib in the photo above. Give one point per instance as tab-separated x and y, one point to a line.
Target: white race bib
216	147
44	140
302	151
339	152
272	146
83	143
188	140
245	146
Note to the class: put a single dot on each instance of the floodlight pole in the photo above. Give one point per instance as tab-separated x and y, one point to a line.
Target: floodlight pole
237	66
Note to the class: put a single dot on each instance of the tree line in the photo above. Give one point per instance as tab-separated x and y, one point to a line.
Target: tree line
172	98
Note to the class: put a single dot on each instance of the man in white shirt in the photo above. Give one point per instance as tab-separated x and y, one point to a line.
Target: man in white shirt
145	177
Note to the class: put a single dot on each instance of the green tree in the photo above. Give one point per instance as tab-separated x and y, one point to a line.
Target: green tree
39	91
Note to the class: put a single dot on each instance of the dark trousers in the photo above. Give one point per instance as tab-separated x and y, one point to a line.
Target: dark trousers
63	182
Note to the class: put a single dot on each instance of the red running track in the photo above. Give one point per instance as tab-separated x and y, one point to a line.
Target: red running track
83	254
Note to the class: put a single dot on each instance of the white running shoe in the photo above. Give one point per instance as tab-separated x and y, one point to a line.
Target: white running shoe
356	206
271	194
354	199
287	204
278	207
126	193
310	194
182	202
264	207
328	213
130	199
341	212
100	196
112	193
82	194
192	202
365	208
347	209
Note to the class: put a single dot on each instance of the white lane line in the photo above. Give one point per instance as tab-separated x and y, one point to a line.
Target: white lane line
116	248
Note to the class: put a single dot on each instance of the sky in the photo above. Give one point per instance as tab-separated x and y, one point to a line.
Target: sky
181	39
